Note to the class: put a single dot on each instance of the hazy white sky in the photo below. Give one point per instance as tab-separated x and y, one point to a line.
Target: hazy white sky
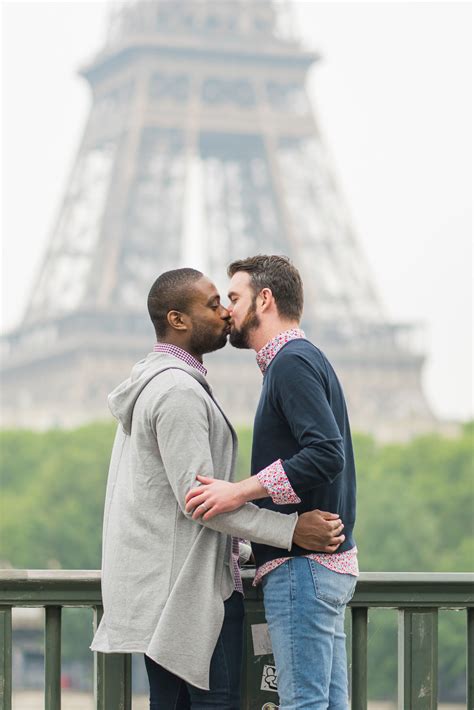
393	97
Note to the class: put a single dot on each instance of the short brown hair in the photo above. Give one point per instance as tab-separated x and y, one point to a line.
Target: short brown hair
172	291
279	275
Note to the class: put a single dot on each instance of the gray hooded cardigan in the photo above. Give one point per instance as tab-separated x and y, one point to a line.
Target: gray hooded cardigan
165	576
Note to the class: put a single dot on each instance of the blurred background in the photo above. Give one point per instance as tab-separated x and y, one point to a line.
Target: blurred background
142	136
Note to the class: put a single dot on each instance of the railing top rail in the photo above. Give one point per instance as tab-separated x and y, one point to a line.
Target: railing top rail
84	576
374	589
49	575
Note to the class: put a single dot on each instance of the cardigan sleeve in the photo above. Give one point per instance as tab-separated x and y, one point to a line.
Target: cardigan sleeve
300	396
182	430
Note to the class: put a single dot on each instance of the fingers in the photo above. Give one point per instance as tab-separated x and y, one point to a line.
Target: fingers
192	493
205	479
328	516
196	491
211	513
196	501
201	509
337	540
335	544
198	513
333	527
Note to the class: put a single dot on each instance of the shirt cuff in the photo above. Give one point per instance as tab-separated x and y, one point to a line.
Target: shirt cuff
275	481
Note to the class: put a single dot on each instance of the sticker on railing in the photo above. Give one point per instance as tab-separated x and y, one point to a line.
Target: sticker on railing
269	679
269	706
262	645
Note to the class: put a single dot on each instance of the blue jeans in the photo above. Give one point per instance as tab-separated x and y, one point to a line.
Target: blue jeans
169	692
304	607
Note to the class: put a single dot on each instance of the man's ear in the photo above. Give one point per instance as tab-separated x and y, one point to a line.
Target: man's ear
177	320
266	298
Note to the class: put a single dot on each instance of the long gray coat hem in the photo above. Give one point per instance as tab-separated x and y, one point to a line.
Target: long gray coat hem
96	649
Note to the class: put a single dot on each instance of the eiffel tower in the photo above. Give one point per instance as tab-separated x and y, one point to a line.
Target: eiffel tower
201	147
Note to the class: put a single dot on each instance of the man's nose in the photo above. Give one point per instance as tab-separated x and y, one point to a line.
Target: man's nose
225	313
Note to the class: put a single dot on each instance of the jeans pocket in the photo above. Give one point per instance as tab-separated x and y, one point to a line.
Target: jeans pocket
330	586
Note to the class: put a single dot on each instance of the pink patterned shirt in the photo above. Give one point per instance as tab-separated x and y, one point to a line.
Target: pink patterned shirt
190	360
274	479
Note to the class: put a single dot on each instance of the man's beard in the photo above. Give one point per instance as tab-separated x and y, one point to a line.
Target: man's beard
240	338
204	340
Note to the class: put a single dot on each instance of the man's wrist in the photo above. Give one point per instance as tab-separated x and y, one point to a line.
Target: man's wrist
250	489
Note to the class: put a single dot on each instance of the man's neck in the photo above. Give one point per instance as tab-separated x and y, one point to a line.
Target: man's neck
183	345
265	333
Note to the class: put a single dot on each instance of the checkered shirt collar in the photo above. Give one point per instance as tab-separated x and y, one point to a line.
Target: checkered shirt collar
268	352
181	354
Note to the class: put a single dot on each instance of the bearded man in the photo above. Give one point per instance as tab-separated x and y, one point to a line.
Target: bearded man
302	458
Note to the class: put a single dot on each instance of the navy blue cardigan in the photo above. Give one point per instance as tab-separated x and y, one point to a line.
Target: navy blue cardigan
302	419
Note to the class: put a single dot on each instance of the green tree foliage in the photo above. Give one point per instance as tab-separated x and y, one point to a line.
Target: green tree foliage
415	504
415	513
53	486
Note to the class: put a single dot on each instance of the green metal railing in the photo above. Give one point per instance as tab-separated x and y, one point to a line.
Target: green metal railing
418	598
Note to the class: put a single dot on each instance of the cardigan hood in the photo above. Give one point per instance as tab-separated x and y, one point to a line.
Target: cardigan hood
123	398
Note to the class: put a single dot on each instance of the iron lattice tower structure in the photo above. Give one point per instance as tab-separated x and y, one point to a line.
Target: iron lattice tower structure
201	147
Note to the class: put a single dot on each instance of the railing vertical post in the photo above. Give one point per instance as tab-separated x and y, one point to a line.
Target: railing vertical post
359	658
52	664
112	677
418	659
470	657
6	658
